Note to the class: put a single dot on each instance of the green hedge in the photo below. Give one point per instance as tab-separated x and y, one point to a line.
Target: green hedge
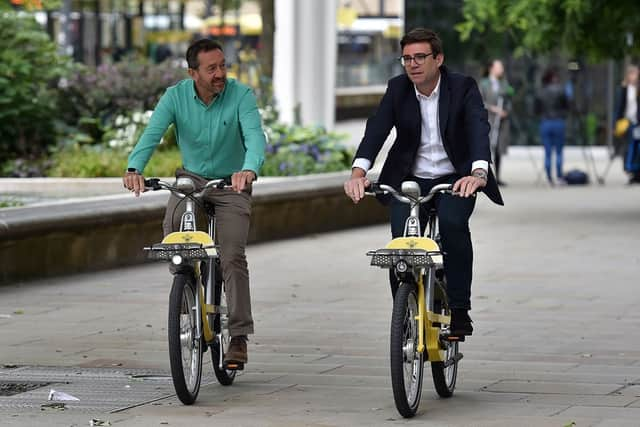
30	68
89	121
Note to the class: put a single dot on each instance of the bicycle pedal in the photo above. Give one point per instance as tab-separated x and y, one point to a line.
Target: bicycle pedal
454	338
233	366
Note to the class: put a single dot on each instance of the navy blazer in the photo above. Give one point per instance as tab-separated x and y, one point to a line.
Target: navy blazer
463	126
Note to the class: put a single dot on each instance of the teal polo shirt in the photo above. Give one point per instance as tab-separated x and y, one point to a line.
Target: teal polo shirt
215	140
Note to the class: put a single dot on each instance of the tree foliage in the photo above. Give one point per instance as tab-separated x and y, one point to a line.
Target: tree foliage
29	70
594	29
30	4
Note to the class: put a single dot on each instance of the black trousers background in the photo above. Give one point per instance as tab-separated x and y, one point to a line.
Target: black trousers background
453	220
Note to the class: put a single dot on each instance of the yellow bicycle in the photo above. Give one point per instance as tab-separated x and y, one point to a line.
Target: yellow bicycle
198	317
421	316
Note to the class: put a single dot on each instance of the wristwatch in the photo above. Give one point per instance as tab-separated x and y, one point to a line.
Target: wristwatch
133	170
480	173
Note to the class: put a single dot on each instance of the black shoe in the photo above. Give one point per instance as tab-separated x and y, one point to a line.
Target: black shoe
461	324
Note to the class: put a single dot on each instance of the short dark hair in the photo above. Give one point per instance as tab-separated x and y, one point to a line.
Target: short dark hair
421	35
202	45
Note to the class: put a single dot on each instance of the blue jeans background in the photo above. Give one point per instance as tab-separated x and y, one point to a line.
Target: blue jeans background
632	158
552	135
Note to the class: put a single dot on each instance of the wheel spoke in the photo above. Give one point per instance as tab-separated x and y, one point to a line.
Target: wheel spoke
189	344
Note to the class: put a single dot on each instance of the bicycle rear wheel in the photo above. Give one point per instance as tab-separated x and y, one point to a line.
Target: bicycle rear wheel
407	364
445	373
224	376
185	348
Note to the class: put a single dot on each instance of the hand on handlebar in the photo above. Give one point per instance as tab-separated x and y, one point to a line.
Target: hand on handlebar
355	188
467	186
241	180
134	182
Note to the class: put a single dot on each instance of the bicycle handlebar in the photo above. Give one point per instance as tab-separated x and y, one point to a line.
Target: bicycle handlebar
376	189
155	184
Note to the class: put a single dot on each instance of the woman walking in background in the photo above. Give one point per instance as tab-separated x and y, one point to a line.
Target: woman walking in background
628	110
552	105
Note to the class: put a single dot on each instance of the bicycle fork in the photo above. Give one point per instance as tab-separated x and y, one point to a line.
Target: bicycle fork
425	304
428	335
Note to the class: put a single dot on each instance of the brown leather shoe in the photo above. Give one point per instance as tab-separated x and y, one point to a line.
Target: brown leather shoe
237	351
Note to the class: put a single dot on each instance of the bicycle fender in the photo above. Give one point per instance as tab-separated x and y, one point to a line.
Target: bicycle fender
425	243
191	237
188	237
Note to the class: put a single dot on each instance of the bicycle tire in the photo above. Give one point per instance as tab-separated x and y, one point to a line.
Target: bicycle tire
224	376
185	352
444	377
403	351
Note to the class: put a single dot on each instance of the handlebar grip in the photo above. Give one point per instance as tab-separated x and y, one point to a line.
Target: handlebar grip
225	182
374	187
153	184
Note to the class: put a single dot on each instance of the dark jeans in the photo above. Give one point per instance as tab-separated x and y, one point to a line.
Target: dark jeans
453	220
552	135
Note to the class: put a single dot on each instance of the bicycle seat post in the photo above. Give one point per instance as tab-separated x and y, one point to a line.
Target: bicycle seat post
412	226
188	222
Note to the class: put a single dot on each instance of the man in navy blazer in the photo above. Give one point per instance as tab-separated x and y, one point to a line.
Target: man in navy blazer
442	137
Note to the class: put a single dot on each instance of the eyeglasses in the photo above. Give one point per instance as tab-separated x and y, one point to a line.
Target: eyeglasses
418	58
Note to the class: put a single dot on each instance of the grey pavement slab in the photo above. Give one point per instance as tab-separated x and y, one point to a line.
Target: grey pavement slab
555	306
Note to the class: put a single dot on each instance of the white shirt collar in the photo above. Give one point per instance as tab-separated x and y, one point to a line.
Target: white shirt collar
434	94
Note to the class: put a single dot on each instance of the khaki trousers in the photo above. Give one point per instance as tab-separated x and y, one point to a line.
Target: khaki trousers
233	213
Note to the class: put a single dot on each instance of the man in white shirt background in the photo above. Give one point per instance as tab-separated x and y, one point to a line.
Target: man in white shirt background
442	137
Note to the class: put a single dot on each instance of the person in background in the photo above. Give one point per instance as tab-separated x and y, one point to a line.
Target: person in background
552	105
627	108
496	93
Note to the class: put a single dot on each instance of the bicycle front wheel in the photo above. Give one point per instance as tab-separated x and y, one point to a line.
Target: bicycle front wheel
185	347
407	364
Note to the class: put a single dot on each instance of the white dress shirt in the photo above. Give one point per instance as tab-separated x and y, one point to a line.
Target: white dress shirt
431	160
631	110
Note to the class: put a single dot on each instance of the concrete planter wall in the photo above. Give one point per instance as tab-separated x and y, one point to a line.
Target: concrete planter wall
106	232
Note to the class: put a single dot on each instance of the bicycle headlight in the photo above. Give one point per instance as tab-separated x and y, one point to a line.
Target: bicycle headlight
176	259
401	266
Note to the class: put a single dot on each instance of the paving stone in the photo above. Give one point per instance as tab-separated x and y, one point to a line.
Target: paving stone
542	355
603	413
540	387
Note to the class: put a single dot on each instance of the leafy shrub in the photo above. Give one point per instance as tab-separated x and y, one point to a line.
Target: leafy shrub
107	104
10	203
86	161
29	70
92	99
297	150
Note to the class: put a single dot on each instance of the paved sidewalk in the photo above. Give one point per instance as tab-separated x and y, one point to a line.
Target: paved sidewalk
555	309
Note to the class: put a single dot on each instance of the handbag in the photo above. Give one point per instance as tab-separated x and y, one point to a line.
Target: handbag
622	125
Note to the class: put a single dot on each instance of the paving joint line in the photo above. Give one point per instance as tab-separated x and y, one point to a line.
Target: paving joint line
331	369
278	390
555	414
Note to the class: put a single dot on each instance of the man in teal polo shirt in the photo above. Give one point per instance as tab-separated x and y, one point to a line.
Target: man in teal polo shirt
219	134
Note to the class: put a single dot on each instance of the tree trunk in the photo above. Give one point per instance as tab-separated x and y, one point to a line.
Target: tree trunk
265	54
223	10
